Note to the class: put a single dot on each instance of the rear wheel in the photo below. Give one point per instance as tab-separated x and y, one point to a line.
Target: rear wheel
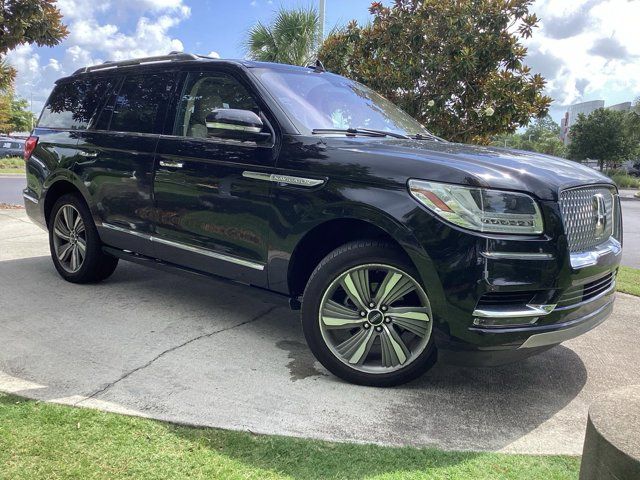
75	246
366	317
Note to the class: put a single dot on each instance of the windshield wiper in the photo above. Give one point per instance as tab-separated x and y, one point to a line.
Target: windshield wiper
360	131
430	136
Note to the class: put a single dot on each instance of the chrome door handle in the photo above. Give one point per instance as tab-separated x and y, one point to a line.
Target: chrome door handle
170	164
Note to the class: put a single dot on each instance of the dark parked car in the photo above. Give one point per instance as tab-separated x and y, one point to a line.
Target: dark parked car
398	247
11	147
634	169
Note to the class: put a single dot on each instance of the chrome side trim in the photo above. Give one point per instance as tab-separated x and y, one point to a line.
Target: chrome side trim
288	179
590	258
126	230
26	196
528	311
209	253
189	248
518	255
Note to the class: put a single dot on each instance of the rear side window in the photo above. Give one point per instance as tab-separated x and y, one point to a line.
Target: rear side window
137	105
72	105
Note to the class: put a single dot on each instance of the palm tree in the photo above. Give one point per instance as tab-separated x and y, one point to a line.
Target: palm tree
292	37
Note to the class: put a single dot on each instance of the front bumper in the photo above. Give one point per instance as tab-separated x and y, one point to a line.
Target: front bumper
538	339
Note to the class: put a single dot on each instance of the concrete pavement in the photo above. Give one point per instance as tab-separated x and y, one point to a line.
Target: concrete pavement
11	187
202	352
631	225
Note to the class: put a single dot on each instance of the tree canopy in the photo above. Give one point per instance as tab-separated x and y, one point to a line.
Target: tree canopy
458	66
602	136
27	22
15	115
292	37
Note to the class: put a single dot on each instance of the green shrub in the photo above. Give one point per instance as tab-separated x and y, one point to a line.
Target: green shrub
624	180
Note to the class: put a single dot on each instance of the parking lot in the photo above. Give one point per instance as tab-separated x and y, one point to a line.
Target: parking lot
201	352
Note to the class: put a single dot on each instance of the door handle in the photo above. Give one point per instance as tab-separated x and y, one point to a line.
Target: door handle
170	164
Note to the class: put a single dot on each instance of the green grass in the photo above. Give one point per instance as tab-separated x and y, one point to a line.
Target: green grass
11	165
40	440
628	280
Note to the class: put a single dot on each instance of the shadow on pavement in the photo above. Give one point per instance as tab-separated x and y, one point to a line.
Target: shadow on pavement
451	407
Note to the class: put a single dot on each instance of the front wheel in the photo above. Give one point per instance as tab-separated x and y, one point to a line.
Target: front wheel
366	317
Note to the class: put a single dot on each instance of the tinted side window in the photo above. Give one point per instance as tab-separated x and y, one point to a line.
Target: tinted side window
136	106
73	104
205	92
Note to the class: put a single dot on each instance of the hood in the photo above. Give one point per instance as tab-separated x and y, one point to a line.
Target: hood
492	167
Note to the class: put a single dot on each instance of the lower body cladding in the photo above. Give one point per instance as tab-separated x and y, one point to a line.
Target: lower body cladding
510	323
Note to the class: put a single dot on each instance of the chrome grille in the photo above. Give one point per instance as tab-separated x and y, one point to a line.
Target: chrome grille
580	216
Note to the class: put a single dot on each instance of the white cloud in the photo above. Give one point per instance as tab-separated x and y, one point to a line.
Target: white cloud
95	37
587	50
213	55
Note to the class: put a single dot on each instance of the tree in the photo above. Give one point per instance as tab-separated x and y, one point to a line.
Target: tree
632	127
27	21
292	37
5	113
542	136
601	136
455	65
22	118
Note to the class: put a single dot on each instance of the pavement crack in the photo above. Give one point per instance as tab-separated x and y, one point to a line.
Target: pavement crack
173	349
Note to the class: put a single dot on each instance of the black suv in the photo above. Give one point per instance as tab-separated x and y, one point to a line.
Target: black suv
399	247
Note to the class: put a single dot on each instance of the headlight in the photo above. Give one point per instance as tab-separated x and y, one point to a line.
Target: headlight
480	209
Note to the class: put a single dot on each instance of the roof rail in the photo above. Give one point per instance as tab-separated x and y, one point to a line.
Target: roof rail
109	64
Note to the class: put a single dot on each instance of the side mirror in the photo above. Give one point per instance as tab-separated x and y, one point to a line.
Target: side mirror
236	124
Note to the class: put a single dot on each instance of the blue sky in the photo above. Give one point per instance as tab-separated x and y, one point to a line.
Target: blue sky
587	49
221	26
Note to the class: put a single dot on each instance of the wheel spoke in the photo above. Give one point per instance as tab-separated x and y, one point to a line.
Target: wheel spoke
74	258
394	286
64	252
349	286
82	246
77	222
413	319
60	228
67	213
335	315
394	351
60	233
357	347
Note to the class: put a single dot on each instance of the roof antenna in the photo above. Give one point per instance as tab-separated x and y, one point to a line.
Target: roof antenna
318	67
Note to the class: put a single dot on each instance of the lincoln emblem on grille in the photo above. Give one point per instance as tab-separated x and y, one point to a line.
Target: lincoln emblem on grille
600	213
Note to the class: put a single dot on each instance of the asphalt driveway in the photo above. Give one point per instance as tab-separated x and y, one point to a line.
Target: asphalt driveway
208	353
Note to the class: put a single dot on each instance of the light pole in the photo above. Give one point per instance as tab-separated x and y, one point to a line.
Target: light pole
322	14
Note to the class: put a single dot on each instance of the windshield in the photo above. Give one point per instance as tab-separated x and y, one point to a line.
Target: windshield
327	101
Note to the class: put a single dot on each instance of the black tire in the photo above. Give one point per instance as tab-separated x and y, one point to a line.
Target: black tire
334	265
96	265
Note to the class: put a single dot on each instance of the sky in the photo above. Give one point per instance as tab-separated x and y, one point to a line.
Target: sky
586	49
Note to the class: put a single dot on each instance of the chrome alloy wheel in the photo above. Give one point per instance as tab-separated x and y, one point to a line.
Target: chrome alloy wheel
69	238
375	318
